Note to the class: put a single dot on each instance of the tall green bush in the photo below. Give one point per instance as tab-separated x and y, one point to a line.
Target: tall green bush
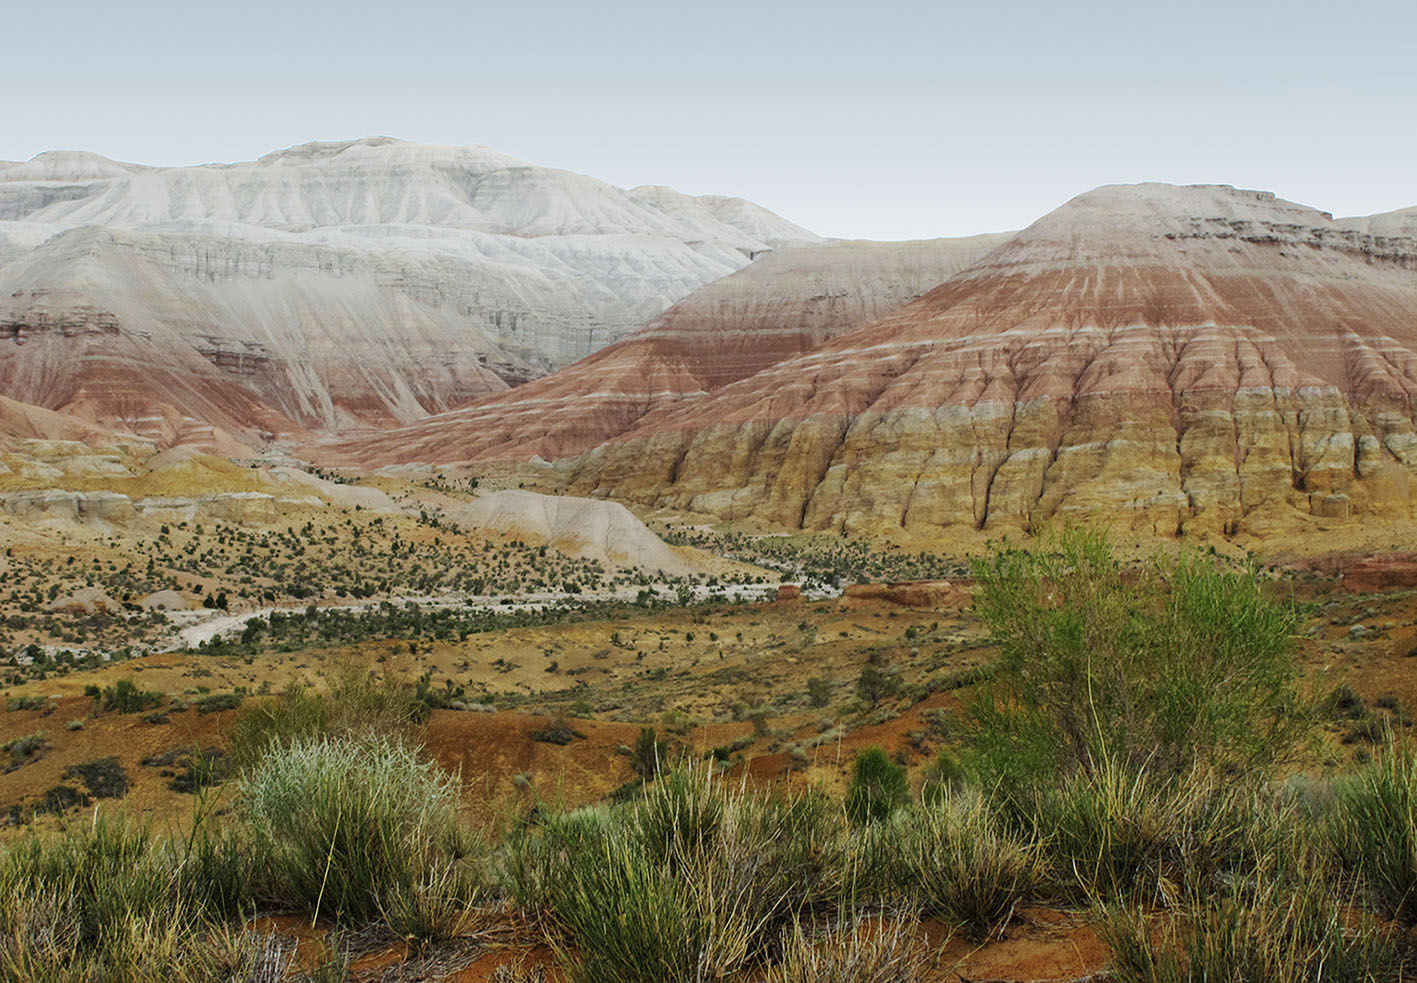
1161	667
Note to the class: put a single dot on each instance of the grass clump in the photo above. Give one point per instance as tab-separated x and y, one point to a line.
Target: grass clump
957	861
1116	834
1264	928
690	882
356	704
352	828
886	951
110	902
1372	831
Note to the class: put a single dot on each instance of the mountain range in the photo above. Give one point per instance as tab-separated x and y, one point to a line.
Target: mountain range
1175	359
332	285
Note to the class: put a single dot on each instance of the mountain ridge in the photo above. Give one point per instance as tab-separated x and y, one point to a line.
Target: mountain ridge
299	277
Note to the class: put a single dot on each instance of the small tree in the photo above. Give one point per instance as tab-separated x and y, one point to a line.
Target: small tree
876	684
878	787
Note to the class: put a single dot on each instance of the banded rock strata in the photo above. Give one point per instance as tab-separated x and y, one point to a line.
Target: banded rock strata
1173	359
780	306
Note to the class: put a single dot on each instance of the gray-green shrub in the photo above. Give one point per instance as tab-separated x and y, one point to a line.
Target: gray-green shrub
347	826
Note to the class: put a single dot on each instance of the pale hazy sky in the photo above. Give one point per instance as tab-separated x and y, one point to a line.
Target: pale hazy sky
880	120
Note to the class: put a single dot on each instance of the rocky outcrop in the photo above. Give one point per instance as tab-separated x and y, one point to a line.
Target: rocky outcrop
606	532
70	506
927	594
123	484
1167	359
1367	573
350	284
165	600
86	600
782	305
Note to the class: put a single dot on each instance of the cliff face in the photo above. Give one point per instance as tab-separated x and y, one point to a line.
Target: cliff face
354	284
786	303
1166	358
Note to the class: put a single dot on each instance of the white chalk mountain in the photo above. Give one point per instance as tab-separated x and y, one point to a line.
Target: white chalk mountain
330	285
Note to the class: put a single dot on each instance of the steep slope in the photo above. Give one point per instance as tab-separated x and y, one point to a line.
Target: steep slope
331	285
785	303
1171	359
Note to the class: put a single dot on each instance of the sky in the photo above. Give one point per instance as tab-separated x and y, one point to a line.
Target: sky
884	120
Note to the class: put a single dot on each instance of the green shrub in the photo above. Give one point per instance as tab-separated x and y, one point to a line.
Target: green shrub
876	684
878	787
1159	668
649	754
347	826
125	696
1373	831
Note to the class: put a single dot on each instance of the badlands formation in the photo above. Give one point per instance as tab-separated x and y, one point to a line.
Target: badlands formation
331	285
1170	359
781	305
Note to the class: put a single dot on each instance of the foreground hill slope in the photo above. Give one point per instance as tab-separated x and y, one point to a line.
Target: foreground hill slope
782	305
333	284
1173	359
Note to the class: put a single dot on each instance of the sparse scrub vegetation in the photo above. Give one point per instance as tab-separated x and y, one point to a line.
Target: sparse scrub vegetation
1119	760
